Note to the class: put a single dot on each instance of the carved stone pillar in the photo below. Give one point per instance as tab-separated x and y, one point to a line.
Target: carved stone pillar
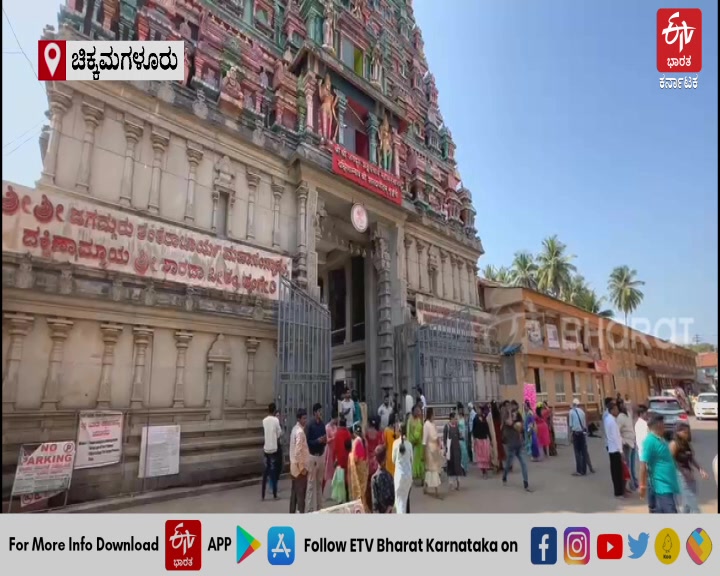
341	107
461	280
93	115
252	348
59	104
278	188
133	133
253	179
422	267
139	396
110	335
160	139
194	155
182	342
310	86
372	132
472	285
408	242
224	183
302	196
396	152
443	275
59	330
381	260
19	327
453	269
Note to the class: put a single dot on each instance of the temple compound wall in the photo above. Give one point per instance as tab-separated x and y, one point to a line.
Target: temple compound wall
113	295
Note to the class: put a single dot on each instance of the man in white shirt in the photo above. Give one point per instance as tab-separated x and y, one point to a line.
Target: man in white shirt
384	412
409	404
346	409
299	463
422	400
614	448
272	432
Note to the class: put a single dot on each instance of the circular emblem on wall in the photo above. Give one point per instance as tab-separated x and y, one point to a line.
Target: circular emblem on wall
359	217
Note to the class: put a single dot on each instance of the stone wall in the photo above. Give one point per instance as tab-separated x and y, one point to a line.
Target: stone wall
160	361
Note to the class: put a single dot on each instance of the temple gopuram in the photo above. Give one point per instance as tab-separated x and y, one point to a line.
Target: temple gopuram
286	222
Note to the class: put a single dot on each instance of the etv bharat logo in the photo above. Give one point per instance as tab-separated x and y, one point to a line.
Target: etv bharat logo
679	40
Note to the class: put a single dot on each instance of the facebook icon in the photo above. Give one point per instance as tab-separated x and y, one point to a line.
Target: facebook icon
543	546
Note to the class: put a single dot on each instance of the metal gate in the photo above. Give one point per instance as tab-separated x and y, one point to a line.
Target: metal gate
303	368
438	357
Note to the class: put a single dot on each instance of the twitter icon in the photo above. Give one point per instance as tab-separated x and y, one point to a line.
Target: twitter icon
638	545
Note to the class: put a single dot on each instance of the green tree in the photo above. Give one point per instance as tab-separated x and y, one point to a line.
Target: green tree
555	267
624	290
500	275
523	271
591	302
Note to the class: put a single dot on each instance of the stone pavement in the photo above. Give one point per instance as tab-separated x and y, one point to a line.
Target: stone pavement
554	489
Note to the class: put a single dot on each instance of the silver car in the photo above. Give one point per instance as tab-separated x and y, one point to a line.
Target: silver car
671	411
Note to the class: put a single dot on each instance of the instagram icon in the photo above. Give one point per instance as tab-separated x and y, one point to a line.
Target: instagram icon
577	545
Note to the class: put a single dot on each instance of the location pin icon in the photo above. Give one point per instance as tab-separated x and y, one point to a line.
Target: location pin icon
52	57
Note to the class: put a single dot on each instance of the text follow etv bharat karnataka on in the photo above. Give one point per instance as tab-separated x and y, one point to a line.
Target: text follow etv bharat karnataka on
82	544
483	545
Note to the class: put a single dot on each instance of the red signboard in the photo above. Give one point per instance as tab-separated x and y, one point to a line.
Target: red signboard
367	175
602	367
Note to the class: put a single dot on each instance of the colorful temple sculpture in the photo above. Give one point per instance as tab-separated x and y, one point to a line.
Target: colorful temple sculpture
286	221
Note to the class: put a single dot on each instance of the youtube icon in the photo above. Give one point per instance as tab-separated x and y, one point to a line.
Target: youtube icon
609	547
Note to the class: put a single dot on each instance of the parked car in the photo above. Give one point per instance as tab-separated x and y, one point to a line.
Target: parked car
706	405
671	411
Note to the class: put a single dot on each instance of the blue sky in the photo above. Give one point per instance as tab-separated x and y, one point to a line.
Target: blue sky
561	128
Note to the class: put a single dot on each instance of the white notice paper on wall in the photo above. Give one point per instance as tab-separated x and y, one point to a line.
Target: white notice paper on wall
159	451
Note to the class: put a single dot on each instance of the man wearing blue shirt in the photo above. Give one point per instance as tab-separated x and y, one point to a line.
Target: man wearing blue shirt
657	468
317	439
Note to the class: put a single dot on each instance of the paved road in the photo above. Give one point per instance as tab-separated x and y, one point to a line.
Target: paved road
554	489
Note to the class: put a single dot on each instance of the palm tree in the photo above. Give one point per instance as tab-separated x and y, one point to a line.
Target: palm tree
575	290
555	267
591	302
524	270
500	275
624	291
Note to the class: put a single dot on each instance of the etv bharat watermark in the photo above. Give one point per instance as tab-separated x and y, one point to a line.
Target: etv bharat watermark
663	333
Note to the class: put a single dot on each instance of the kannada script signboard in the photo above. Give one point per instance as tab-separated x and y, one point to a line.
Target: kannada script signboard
367	175
430	310
65	229
99	440
45	468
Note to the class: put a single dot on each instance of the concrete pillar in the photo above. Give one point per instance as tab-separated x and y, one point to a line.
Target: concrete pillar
253	179
133	133
348	301
110	335
422	266
160	139
59	105
19	326
278	188
59	331
194	156
140	396
182	342
92	114
252	345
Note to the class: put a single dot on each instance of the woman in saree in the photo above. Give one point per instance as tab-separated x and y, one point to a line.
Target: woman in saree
391	433
373	438
452	443
434	458
547	414
415	436
543	432
481	439
463	429
531	441
358	467
497	420
330	433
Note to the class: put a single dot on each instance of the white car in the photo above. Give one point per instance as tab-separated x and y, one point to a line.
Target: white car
706	405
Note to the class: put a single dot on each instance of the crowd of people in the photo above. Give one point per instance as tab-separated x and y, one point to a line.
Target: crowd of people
378	458
642	461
